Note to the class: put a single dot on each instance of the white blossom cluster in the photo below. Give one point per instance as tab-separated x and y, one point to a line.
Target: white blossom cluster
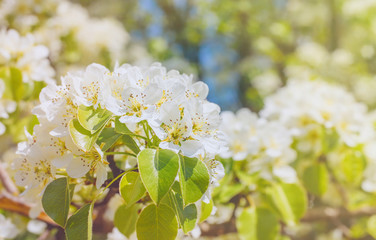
69	25
304	105
266	145
26	55
6	107
173	106
30	58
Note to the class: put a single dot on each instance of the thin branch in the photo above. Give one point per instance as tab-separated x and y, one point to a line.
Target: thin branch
7	181
17	205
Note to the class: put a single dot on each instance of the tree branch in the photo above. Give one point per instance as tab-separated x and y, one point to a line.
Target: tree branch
7	181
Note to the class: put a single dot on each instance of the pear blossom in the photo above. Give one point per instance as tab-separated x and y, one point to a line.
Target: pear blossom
304	104
173	108
265	145
8	229
6	107
26	55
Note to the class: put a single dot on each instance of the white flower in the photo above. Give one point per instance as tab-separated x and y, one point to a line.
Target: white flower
36	227
24	54
241	134
8	229
174	128
301	105
6	107
265	145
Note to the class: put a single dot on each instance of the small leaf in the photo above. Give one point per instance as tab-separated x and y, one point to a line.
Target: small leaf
130	143
187	216
56	200
194	179
316	179
109	137
14	87
126	218
227	192
93	119
158	169
80	224
131	187
257	223
206	210
82	137
157	223
352	166
121	127
290	200
371	226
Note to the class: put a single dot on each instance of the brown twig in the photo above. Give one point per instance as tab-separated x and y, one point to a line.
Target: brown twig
17	205
7	181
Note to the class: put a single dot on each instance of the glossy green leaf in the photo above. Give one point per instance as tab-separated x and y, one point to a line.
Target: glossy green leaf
126	218
257	223
158	169
107	138
130	143
316	179
82	137
227	192
194	179
121	127
157	223
131	187
93	119
206	210
56	200
80	224
290	201
352	166
187	216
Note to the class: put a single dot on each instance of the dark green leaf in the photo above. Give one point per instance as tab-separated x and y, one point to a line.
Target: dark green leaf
56	200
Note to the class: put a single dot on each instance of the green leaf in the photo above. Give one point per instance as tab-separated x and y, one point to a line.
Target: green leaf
108	137
371	226
257	223
126	218
187	216
83	138
290	201
315	179
158	169
131	187
56	200
194	179
157	223
352	166
130	143
206	210
93	119
227	192
80	224
121	127
14	87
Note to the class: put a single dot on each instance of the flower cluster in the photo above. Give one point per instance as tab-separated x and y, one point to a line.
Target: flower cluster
20	54
26	55
6	107
266	145
304	106
66	32
164	108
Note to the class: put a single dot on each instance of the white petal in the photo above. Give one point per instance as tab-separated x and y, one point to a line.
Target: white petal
78	167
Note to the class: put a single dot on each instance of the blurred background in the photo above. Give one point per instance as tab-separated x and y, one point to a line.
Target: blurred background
246	49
